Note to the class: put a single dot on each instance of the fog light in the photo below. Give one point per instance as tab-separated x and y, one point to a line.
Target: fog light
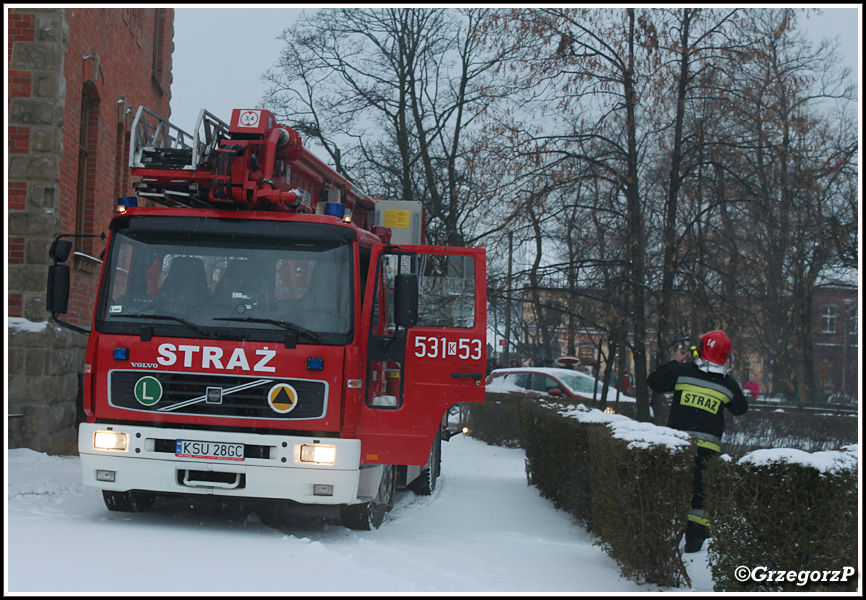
319	454
110	440
321	489
103	475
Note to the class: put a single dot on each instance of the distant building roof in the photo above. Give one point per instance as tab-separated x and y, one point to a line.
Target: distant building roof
838	276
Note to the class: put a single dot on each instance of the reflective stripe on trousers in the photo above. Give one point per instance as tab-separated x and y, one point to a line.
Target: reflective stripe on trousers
699	516
706	440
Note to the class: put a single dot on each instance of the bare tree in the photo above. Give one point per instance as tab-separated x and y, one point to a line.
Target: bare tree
399	89
680	167
565	60
691	38
777	173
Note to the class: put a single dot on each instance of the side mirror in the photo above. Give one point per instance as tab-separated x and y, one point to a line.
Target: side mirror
554	392
406	300
57	298
60	250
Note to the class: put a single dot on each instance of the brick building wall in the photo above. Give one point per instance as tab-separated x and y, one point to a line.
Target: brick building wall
68	65
835	331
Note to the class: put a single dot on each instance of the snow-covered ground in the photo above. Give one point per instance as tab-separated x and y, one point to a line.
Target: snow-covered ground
482	531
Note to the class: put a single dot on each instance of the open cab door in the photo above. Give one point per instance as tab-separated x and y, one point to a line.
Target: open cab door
426	325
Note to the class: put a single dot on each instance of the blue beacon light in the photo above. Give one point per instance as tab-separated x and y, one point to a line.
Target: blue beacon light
125	203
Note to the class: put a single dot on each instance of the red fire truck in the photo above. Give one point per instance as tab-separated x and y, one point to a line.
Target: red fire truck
267	330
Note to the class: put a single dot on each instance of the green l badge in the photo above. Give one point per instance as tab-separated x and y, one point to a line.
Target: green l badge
148	390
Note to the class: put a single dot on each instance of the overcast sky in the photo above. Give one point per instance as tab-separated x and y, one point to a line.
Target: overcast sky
219	57
220	53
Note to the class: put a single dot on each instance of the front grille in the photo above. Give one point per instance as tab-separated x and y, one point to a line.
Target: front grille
206	394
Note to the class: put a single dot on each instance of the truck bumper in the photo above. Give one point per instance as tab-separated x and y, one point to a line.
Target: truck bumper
271	466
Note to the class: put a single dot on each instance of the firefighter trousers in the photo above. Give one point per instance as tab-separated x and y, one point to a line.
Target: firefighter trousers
698	526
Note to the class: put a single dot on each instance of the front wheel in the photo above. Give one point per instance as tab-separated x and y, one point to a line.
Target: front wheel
425	483
131	501
370	515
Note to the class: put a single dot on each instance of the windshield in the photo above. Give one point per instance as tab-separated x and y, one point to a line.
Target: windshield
198	284
579	383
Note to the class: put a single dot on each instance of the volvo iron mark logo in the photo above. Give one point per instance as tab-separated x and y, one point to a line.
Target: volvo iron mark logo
214	395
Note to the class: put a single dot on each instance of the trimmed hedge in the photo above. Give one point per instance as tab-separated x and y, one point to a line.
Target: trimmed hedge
632	494
788	428
560	470
783	516
496	421
629	484
640	500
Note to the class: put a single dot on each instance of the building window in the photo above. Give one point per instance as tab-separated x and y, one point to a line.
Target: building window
159	32
828	319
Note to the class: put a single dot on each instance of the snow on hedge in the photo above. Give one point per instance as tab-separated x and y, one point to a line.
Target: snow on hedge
825	461
638	435
644	435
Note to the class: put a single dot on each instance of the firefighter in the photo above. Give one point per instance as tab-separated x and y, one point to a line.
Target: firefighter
703	390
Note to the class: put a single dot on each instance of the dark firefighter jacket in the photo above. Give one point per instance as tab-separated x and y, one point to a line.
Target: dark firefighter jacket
700	398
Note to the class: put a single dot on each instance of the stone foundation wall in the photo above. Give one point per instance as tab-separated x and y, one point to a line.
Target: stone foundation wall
45	362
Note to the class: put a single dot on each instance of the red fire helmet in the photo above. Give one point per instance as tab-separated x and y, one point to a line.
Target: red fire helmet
714	346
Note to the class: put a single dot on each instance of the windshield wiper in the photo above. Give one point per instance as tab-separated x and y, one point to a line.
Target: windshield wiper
163	318
288	325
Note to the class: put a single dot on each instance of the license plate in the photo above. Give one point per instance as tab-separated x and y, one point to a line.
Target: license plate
211	450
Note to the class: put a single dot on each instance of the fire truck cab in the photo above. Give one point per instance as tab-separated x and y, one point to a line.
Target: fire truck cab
258	335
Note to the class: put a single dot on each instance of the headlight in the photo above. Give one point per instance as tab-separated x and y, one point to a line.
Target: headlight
110	440
319	454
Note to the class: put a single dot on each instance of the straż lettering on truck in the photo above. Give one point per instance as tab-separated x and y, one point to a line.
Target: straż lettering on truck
264	329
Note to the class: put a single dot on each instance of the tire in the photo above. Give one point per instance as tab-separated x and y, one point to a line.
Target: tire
370	515
131	501
425	483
